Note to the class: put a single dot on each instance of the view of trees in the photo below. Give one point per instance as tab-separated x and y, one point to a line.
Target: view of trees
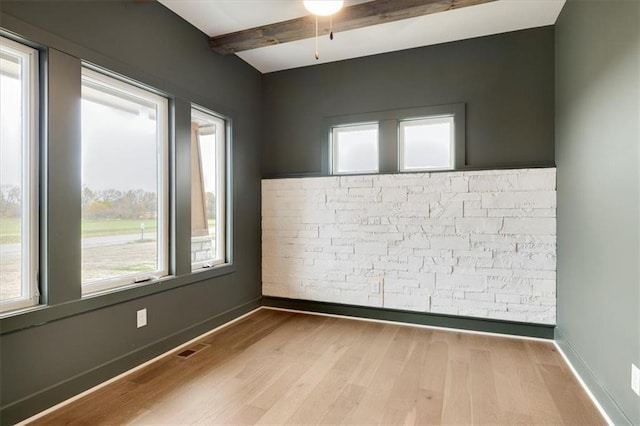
211	205
114	204
10	199
105	204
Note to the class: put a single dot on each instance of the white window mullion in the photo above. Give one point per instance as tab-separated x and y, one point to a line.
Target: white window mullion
32	174
221	185
163	189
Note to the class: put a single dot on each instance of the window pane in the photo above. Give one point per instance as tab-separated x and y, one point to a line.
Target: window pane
123	195
18	215
208	140
426	143
355	148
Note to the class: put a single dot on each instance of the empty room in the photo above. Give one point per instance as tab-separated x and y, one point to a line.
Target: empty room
320	212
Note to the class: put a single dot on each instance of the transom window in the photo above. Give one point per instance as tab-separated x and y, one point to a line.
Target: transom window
399	140
426	144
355	148
124	183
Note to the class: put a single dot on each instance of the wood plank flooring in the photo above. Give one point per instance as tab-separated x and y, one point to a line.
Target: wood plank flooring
276	367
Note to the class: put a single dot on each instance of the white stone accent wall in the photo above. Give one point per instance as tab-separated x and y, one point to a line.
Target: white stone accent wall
479	244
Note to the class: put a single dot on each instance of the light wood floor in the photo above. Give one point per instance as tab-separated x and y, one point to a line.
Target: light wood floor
278	367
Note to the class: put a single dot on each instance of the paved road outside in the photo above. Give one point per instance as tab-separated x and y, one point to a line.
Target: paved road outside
102	257
86	242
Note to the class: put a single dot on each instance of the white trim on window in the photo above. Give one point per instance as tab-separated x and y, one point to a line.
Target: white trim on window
221	142
421	121
132	90
30	147
335	146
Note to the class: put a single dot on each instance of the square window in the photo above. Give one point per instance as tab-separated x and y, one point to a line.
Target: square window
208	189
18	175
426	144
124	183
355	148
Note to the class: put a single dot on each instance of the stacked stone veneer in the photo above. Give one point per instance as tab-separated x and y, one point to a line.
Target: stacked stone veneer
480	244
201	248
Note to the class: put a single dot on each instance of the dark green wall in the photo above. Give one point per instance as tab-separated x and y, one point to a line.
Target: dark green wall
507	83
597	140
505	80
55	352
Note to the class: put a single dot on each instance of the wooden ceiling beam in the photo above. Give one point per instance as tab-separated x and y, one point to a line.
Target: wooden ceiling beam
350	18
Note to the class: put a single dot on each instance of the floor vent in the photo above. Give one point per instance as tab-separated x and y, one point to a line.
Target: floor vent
187	353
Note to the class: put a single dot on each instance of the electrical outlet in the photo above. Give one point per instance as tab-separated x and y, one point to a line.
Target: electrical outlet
635	379
142	317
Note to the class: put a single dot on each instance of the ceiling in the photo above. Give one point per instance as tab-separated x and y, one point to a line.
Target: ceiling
218	17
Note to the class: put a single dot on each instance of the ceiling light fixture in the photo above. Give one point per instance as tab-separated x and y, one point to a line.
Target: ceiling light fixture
323	8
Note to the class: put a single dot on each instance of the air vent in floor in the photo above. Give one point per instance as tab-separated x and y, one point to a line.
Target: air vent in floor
187	353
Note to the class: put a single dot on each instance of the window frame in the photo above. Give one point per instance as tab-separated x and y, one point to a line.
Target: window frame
334	147
58	157
29	244
135	89
222	184
388	135
434	119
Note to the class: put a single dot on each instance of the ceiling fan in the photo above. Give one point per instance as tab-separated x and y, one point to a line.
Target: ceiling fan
341	19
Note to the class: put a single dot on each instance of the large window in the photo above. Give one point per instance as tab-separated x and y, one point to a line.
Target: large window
208	189
124	183
355	148
426	144
18	176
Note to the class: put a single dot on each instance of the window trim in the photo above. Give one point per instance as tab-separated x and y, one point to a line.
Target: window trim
30	247
433	119
388	134
132	88
61	298
222	183
334	150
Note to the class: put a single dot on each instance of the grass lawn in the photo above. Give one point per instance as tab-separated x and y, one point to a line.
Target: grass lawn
103	227
10	228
